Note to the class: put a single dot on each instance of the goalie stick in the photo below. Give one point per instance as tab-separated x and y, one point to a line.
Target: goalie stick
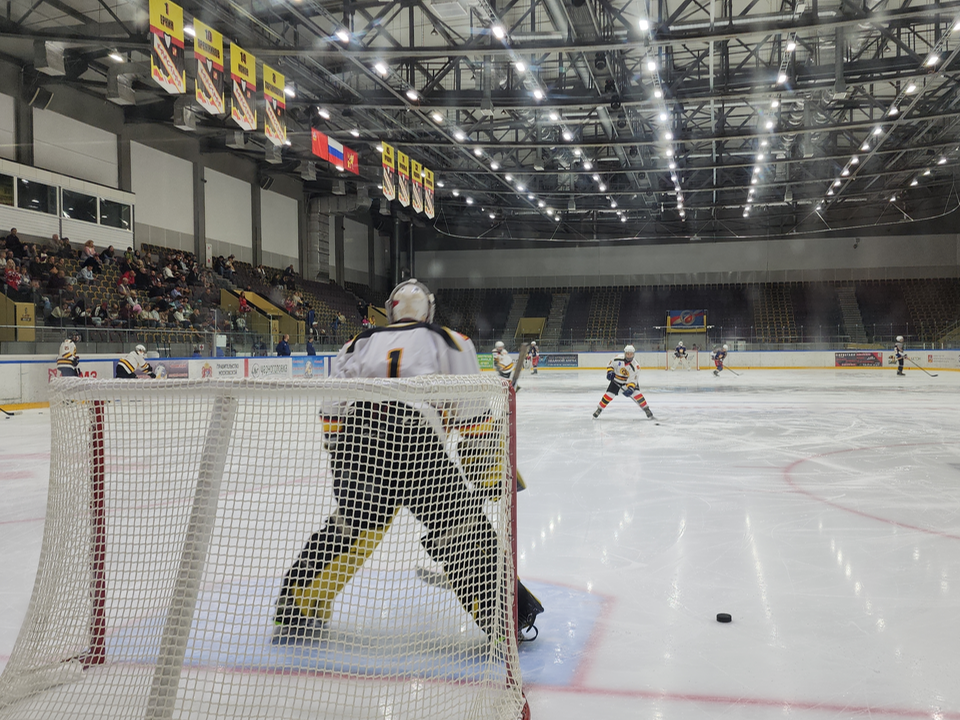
518	366
912	362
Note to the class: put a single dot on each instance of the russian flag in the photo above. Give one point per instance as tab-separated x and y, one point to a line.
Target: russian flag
334	151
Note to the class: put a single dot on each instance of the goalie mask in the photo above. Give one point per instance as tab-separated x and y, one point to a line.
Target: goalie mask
680	344
410	300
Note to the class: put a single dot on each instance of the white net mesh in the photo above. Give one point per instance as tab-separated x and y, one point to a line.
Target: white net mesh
210	552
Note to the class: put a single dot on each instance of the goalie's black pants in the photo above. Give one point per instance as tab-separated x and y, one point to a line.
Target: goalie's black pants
388	457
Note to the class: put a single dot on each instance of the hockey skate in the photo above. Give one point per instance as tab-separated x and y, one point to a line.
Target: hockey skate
596	413
650	414
716	372
291	624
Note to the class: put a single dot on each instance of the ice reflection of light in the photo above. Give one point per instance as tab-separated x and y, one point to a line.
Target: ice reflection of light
758	569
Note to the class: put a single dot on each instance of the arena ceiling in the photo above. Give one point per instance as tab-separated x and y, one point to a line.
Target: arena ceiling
579	119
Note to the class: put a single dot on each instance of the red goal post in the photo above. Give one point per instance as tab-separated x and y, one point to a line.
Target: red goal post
174	510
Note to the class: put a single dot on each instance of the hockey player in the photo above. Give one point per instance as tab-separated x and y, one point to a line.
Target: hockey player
533	353
679	356
502	360
132	362
389	454
67	359
718	357
622	373
899	354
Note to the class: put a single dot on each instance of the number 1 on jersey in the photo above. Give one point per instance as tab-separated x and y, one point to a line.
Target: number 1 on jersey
393	362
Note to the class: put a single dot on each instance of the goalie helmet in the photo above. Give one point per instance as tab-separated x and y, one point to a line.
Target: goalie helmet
899	338
629	350
411	300
680	344
499	345
141	350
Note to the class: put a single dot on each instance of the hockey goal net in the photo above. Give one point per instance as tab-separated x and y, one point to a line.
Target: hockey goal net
690	362
180	511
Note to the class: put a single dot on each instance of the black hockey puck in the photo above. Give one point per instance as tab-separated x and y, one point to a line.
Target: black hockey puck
724	617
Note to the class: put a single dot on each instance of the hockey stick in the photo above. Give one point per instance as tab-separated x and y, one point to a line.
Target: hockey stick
10	413
923	369
518	367
733	371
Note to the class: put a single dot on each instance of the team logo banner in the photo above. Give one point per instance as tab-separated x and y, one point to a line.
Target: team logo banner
428	206
208	48
858	359
166	53
389	173
416	199
686	319
275	106
403	183
243	78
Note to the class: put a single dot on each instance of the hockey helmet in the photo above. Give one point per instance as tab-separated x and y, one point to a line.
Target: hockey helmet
680	344
499	345
629	350
411	300
899	338
533	342
141	350
725	347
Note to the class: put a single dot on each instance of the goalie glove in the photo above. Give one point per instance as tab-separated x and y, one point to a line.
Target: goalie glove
75	361
151	372
610	375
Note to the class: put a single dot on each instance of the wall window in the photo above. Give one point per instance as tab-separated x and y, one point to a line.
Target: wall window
114	214
6	189
36	196
78	206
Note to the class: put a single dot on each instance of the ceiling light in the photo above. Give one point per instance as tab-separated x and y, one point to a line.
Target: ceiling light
652	65
926	172
567	135
664	117
596	177
508	177
520	187
956	27
672	165
587	165
756	170
603	187
520	65
878	130
478	152
188	30
324	113
911	88
456	193
460	135
381	68
914	182
469	201
437	117
644	25
865	147
854	160
379	148
355	132
668	135
494	165
683	214
845	172
549	211
412	94
760	157
498	32
894	110
554	116
440	183
774	103
613	203
781	78
746	213
493	216
893	199
791	46
116	57
538	94
530	196
623	218
290	91
819	206
541	204
771	124
836	183
343	35
753	180
830	191
658	93
932	60
941	161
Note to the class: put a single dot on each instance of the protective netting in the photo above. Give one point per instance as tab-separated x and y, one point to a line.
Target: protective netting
210	551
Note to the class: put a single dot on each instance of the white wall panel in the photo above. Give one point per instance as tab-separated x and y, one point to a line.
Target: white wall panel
6	127
163	185
227	205
73	148
102	236
280	227
28	222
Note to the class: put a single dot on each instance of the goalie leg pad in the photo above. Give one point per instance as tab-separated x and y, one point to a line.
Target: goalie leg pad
482	459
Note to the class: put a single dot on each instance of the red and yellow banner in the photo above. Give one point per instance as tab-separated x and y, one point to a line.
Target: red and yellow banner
403	184
416	174
429	208
208	48
243	85
389	173
166	52
275	106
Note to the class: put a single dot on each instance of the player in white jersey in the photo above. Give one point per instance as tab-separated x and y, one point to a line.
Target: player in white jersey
502	360
387	455
680	356
133	362
67	358
622	373
899	355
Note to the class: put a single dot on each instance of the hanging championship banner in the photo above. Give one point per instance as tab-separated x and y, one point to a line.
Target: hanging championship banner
389	173
416	174
243	87
403	183
428	206
166	53
208	48
275	106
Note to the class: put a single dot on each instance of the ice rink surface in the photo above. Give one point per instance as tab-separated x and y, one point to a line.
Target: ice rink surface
820	508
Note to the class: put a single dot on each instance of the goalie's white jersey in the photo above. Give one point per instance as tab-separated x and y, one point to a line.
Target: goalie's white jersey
406	349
